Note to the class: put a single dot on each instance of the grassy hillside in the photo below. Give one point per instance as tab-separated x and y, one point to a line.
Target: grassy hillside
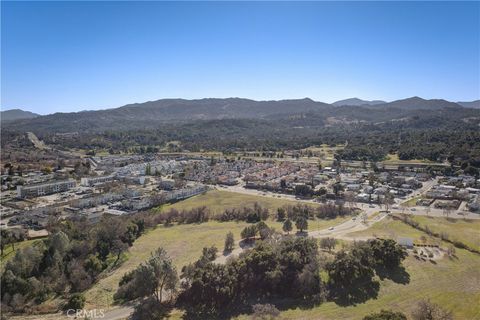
183	243
389	228
454	284
466	231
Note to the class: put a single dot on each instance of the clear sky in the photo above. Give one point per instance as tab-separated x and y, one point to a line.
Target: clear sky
71	56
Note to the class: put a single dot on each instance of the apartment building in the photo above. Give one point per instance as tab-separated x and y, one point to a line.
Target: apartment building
38	190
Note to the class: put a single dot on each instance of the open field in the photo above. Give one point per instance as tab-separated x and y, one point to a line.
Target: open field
389	228
393	158
217	201
411	202
454	284
183	243
466	231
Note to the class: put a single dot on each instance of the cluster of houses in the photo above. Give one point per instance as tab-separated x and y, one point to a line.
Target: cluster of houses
126	184
451	191
219	172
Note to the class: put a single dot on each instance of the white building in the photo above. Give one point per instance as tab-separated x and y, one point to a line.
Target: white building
45	188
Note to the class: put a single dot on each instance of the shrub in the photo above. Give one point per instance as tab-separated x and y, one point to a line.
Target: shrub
264	311
76	301
385	315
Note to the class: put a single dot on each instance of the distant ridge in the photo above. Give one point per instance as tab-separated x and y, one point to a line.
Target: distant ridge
470	104
17	114
155	114
417	103
357	102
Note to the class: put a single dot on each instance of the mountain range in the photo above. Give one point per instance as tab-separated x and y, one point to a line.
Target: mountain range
152	114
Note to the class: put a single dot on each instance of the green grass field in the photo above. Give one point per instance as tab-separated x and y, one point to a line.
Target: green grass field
217	201
466	231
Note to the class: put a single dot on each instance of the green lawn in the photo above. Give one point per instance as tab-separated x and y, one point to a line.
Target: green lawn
217	201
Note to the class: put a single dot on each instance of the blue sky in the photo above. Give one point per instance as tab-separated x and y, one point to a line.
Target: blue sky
71	56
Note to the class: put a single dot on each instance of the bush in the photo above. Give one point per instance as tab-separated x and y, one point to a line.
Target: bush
385	315
76	301
264	311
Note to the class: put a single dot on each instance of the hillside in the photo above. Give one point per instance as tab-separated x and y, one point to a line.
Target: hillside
470	104
417	103
157	114
357	102
153	114
17	114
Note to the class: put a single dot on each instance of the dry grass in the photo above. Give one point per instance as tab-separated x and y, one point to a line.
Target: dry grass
466	231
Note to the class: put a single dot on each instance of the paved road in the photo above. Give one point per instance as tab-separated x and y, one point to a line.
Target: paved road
339	231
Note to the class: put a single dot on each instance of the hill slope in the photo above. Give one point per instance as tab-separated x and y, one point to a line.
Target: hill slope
470	104
357	102
17	114
157	114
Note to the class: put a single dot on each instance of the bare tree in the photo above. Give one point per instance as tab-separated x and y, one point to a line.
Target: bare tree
426	310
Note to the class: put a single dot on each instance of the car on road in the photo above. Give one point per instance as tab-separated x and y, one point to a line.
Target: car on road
331	228
413	209
371	206
354	218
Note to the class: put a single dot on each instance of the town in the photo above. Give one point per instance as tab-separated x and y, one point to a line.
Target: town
240	160
122	185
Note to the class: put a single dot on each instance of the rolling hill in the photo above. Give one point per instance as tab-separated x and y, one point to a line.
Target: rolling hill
357	102
17	114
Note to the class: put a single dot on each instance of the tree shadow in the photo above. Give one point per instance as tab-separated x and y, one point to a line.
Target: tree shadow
356	294
301	234
247	244
150	309
397	274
